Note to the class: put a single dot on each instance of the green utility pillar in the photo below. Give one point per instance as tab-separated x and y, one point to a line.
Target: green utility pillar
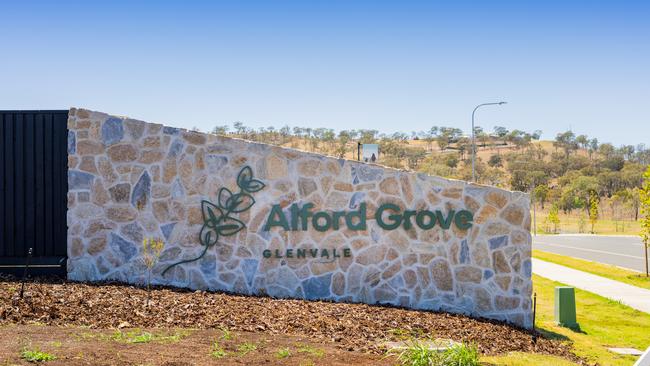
565	307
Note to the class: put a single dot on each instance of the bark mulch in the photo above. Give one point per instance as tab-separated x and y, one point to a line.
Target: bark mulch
352	327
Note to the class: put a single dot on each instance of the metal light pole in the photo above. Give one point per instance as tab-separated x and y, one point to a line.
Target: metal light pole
473	139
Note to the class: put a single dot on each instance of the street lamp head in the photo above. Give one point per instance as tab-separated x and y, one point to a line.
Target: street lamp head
501	103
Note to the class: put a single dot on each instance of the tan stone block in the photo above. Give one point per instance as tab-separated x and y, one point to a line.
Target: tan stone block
99	193
97	226
169	170
194	215
77	248
88	164
305	186
326	184
151	142
452	192
441	274
82	113
500	263
344	187
372	255
89	147
503	282
506	302
496	198
407	188
410	278
96	245
496	228
319	268
276	167
389	186
309	168
480	255
193	137
365	187
150	156
199	159
471	204
392	270
72	161
519	237
486	213
153	129
468	274
161	211
121	213
160	191
514	214
433	198
338	284
333	168
483	300
122	153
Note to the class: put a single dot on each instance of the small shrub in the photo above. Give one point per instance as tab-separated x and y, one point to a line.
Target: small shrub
36	356
151	251
420	354
245	348
226	334
461	355
134	336
217	351
283	353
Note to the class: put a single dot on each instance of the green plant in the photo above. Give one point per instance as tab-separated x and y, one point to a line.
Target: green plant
305	348
593	209
151	250
217	219
461	354
226	334
554	218
217	351
644	196
134	336
418	353
246	347
36	356
283	353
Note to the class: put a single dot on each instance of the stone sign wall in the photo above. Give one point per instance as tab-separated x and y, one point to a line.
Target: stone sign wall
257	219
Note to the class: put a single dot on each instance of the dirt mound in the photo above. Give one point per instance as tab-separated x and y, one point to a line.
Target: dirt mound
354	327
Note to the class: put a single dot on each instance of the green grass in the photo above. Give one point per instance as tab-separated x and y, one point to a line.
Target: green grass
217	351
305	348
283	353
526	359
603	323
226	334
246	347
599	269
417	353
138	336
36	356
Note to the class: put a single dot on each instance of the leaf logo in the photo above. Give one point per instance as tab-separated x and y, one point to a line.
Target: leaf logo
217	219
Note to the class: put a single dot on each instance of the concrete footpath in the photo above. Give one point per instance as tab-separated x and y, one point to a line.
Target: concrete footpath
632	296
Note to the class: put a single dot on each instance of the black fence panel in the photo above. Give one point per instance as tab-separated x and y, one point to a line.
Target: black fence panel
33	191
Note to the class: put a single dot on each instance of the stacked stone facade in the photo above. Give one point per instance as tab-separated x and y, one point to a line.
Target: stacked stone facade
129	180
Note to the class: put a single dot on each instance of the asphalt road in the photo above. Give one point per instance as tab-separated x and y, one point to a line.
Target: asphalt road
622	251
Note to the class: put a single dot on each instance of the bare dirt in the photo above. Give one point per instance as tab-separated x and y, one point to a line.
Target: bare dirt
77	322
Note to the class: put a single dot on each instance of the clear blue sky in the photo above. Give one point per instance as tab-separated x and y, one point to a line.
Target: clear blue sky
399	65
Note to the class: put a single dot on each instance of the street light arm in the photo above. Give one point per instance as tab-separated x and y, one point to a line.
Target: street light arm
473	139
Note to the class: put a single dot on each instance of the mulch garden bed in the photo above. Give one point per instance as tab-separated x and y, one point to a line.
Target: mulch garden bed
351	327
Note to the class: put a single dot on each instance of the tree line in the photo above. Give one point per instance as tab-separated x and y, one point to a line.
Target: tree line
572	172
